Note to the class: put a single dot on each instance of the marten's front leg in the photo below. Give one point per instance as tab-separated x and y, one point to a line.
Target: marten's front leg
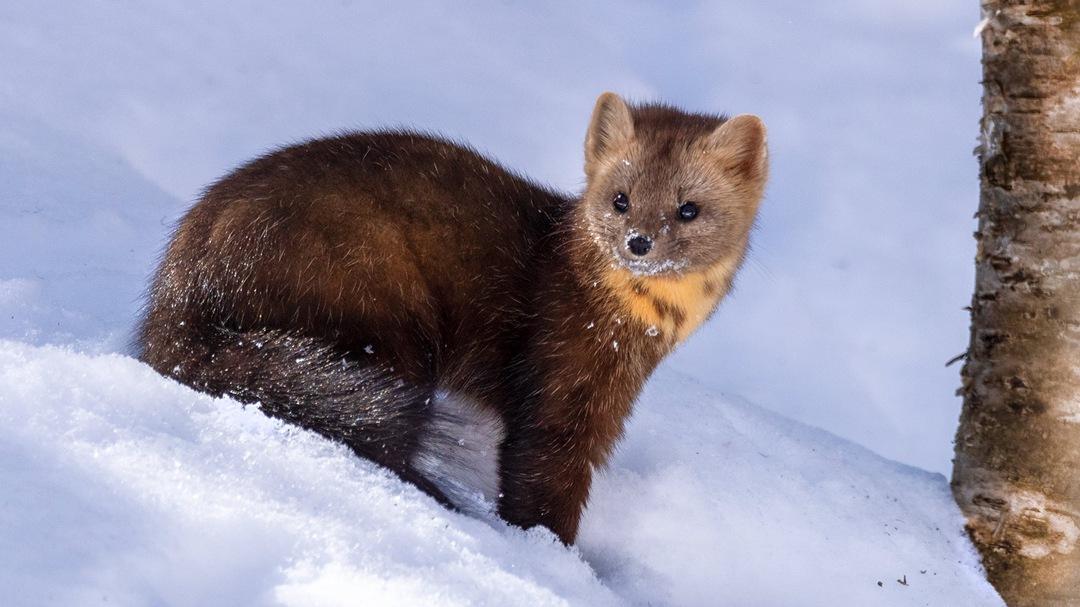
546	476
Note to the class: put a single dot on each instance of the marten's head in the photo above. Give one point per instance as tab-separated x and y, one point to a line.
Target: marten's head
668	192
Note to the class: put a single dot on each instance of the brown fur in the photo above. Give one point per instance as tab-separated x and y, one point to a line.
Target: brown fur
418	262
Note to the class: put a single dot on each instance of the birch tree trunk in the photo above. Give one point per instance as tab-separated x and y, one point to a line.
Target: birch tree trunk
1016	475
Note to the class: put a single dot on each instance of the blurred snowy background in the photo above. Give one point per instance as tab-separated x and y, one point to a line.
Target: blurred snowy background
114	114
851	302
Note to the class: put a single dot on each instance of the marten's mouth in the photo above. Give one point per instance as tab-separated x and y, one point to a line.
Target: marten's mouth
650	267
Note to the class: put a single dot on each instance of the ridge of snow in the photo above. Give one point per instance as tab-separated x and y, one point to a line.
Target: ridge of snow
123	486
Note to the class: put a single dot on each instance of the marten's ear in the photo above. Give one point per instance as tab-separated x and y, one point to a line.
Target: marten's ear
610	128
738	145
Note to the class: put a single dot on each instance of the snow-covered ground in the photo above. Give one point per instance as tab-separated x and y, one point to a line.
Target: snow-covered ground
123	488
119	487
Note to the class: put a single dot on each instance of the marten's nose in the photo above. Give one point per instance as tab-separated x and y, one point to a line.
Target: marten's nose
639	245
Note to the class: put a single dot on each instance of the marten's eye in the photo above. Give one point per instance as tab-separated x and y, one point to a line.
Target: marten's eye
621	202
688	211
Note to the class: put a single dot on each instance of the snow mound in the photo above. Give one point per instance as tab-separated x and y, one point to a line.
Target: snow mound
125	488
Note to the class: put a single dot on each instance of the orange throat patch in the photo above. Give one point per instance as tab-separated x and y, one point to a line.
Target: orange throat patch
675	305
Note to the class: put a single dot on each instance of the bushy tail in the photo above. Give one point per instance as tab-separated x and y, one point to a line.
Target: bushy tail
310	383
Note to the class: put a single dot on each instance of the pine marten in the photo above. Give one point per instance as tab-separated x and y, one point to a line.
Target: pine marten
480	335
